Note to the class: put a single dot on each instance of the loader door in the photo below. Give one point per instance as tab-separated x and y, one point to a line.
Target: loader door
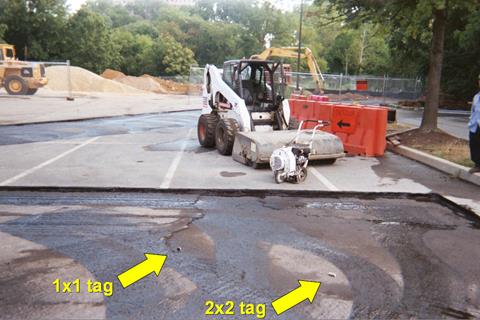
228	75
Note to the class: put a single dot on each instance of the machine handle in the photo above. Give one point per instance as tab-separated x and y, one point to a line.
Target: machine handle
322	123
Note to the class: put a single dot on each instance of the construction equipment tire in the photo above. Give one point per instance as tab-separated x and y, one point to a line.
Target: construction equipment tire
206	126
302	175
278	177
16	85
31	92
225	135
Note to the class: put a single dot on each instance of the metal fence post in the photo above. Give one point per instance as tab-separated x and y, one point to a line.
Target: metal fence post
69	81
384	85
340	87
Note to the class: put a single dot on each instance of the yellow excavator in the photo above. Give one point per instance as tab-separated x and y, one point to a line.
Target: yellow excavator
292	52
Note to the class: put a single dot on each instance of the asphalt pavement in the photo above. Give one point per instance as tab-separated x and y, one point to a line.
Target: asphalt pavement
452	122
84	200
390	256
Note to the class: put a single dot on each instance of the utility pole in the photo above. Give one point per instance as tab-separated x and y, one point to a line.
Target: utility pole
362	49
299	45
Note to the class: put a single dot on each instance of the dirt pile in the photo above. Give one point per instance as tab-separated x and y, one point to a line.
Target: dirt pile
83	80
150	83
142	83
169	85
112	74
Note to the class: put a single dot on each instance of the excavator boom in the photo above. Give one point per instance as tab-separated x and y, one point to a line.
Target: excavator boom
292	52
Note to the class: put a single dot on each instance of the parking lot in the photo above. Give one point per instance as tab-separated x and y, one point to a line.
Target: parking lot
86	199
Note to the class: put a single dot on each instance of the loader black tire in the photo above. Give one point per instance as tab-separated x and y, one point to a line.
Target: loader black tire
32	91
225	135
206	126
302	176
16	85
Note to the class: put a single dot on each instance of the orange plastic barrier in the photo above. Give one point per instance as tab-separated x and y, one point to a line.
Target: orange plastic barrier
362	85
295	96
362	128
315	97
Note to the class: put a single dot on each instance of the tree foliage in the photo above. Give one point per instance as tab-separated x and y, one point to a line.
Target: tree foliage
89	42
34	27
347	36
422	32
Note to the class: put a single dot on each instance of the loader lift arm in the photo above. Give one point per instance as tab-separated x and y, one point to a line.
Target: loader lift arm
292	52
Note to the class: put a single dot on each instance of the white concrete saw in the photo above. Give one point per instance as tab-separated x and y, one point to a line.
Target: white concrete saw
290	162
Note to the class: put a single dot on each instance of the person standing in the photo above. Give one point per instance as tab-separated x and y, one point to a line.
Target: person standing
473	126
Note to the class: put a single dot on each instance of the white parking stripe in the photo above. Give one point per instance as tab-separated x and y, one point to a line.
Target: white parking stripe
323	179
176	161
46	163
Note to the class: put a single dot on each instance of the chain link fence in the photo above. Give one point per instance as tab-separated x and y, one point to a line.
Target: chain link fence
386	87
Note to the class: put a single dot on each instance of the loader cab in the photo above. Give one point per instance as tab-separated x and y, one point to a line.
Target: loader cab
7	52
259	83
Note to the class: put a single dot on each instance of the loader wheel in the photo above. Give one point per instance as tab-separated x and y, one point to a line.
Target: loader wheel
206	130
16	85
278	176
225	135
31	92
302	175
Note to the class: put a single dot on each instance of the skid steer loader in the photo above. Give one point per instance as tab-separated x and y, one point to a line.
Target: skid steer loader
20	77
245	113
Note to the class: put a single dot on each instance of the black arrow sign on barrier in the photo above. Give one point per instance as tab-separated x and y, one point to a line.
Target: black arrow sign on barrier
342	124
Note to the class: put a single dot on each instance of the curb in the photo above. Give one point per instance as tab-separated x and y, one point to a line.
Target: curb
442	165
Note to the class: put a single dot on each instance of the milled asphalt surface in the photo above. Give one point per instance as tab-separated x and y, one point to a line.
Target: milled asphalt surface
388	255
377	257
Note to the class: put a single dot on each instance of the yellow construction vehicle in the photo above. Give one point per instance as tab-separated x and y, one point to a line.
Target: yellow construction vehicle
20	77
292	52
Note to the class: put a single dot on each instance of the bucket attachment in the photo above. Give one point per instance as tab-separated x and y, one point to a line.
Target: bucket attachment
253	148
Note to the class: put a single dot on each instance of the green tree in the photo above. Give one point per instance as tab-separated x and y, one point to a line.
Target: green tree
89	42
462	66
413	18
343	55
134	51
3	29
116	14
34	27
177	59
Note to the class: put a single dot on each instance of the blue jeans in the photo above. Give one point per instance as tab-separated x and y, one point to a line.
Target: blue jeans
475	147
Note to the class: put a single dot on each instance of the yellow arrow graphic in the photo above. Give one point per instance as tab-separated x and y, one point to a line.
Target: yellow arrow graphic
307	290
152	263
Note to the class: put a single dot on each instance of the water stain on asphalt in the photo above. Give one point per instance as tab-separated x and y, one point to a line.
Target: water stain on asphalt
228	174
177	145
